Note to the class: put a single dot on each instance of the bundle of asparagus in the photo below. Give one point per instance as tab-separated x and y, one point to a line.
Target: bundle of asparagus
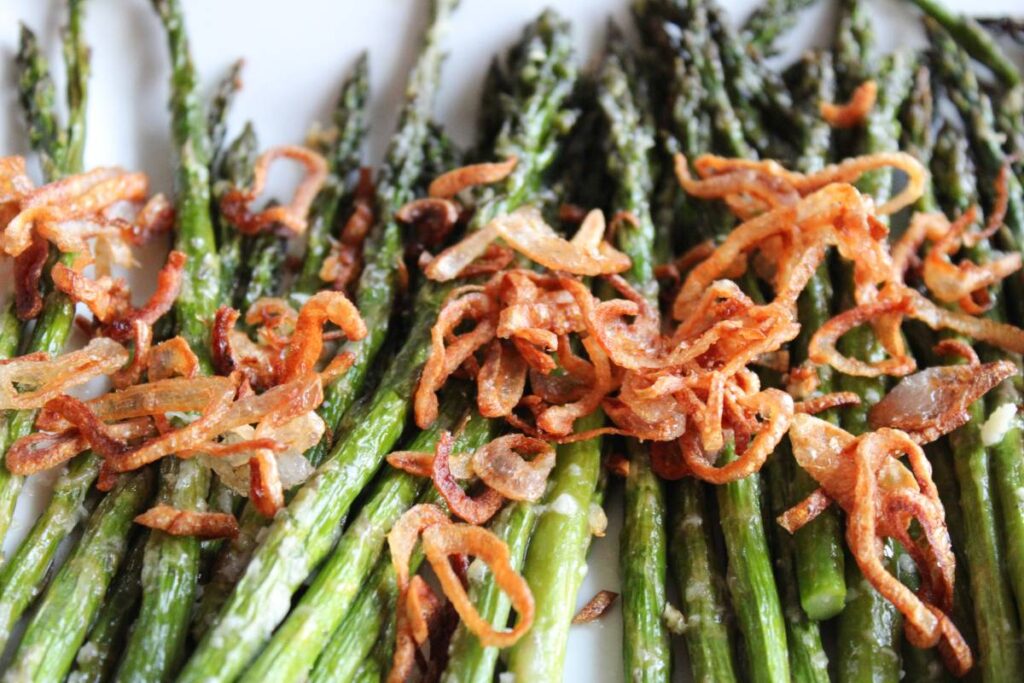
739	343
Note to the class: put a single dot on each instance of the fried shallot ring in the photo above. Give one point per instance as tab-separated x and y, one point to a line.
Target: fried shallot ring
446	357
501	380
132	373
854	112
777	408
177	522
475	510
501	466
307	340
293	215
449	184
168	286
442	541
847	171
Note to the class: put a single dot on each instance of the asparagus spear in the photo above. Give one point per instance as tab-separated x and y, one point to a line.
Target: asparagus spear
818	546
343	159
22	579
60	152
994	616
869	626
919	140
770	20
807	659
642	552
308	527
543	75
1007	470
360	630
62	619
1006	26
233	168
376	288
295	646
171	564
34	556
694	563
975	109
750	81
97	657
752	587
974	39
217	116
698	576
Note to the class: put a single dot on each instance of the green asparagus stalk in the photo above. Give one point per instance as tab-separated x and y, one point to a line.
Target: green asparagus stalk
974	39
362	626
233	169
1007	470
217	116
343	159
97	657
755	597
63	617
376	290
60	152
807	659
295	646
23	578
818	546
821	562
171	563
642	552
770	20
698	575
995	618
308	527
556	562
752	587
543	78
694	563
758	94
917	120
869	626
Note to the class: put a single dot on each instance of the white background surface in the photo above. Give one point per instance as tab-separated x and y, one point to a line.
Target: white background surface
297	52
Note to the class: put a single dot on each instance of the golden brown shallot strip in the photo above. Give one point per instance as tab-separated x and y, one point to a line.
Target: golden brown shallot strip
854	112
292	216
44	379
189	522
449	184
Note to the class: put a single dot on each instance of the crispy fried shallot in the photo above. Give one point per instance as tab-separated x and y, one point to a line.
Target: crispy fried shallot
595	607
189	522
442	541
30	381
934	402
500	465
473	509
526	232
449	184
28	271
881	498
291	216
854	112
345	261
